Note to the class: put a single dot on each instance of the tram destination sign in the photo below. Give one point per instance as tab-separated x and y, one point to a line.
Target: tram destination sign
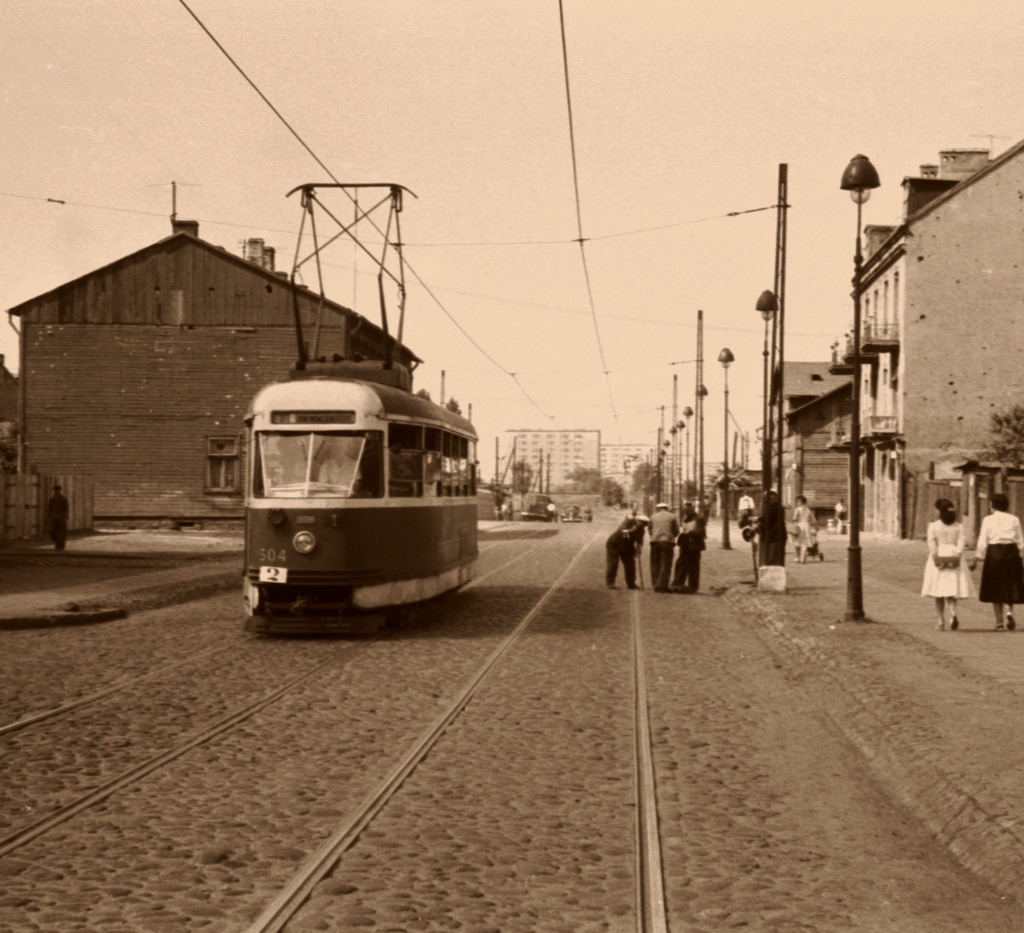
312	417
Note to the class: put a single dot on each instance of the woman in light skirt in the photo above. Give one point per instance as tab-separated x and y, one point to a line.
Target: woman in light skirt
945	577
1000	545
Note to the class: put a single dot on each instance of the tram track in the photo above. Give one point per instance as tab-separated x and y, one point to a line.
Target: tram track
289	901
119	686
366	802
650	913
82	801
64	813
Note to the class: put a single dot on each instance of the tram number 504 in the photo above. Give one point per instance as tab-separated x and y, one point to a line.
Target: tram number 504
273	574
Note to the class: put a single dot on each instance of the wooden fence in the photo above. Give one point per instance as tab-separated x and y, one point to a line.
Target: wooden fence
24	498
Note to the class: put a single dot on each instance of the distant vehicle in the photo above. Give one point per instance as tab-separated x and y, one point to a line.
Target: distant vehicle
572	513
588	514
539	508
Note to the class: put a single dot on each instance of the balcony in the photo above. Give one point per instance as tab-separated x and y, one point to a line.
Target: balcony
879	337
842	359
880	426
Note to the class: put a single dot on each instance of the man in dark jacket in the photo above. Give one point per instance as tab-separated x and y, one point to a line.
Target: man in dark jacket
622	545
57	518
692	541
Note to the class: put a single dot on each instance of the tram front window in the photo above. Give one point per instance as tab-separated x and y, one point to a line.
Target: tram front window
319	465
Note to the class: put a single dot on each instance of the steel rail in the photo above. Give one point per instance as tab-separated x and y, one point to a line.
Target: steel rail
64	813
34	718
650	889
291	898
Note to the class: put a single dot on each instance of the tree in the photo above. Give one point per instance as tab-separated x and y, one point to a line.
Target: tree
1008	436
586	480
522	477
423	393
453	405
611	492
644	478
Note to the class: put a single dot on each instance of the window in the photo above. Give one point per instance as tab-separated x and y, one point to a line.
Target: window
222	464
320	464
405	460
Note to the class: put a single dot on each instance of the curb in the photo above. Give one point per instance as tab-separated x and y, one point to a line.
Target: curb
129	602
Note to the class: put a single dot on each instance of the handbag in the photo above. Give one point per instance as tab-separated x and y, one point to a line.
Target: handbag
946	557
792	528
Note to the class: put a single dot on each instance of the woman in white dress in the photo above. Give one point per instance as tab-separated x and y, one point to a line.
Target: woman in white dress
946	579
805	528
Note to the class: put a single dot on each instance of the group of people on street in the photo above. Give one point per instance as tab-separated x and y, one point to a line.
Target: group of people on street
1000	550
667	533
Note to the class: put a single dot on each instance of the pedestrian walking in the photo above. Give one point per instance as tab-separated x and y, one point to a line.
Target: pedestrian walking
57	518
664	531
622	547
746	509
692	540
803	528
945	577
1000	545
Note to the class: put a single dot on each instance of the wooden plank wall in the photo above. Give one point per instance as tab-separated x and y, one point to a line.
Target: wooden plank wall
24	498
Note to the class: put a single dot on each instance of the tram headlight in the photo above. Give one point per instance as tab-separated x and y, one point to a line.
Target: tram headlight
304	542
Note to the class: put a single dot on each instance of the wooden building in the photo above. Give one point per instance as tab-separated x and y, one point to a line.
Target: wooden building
816	460
139	373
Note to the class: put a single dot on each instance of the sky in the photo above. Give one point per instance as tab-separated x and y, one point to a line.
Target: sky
681	114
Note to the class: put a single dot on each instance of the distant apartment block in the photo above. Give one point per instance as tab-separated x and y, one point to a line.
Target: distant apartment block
561	452
619	461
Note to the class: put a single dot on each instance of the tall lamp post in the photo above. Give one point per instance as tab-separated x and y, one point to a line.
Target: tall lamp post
767	305
859	179
726	358
687	415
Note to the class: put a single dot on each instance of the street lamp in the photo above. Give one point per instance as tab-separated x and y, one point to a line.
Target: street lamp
687	415
767	305
859	178
726	358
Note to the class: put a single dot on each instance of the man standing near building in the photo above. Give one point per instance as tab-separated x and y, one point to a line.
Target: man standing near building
57	518
664	529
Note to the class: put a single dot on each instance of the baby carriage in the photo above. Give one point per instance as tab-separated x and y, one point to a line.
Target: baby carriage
812	549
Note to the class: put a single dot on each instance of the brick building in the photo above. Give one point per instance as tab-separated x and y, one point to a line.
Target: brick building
139	373
943	321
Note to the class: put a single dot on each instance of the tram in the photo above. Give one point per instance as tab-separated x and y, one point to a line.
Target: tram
360	499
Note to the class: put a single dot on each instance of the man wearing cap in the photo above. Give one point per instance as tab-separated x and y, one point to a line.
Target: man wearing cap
622	545
664	529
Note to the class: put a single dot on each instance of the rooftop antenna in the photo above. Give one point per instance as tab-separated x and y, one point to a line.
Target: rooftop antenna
390	263
991	137
174	195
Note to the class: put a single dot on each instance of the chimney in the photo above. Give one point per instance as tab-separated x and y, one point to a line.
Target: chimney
962	163
190	227
929	171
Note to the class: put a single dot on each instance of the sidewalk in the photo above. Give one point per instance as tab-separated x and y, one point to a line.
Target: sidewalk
106	576
937	715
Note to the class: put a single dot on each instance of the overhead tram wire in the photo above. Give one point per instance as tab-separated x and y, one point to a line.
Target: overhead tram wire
579	221
331	175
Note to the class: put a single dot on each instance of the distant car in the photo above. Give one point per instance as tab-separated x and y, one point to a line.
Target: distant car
539	508
572	513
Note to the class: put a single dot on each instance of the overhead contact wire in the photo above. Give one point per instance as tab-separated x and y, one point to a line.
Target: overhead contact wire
332	176
579	219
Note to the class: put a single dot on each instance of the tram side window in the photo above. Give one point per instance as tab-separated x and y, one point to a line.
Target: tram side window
449	465
405	460
432	466
462	446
